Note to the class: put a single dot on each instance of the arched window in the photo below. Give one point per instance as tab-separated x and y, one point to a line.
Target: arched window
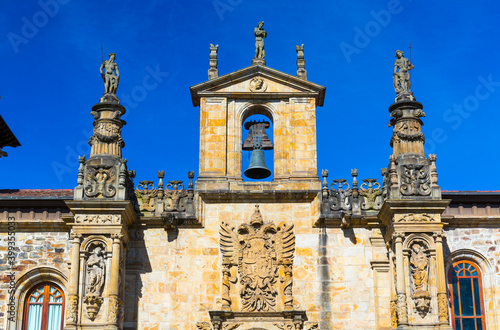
466	295
44	308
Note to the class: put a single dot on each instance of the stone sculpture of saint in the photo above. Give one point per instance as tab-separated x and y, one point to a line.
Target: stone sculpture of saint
401	75
419	263
260	34
95	272
108	76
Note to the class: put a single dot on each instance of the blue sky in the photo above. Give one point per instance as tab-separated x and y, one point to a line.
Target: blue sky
51	53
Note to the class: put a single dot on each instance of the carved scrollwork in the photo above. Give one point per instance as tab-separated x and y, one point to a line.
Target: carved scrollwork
175	198
415	180
402	310
258	250
97	218
114	309
443	307
93	305
146	193
72	314
394	314
100	181
203	326
424	217
370	190
340	197
284	326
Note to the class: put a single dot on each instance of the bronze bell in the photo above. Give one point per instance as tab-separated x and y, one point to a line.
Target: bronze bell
257	168
257	141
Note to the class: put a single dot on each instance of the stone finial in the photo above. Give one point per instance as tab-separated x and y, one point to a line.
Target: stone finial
110	79
401	77
256	217
301	63
213	72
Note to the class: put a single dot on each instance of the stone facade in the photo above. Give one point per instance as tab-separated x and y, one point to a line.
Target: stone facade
222	253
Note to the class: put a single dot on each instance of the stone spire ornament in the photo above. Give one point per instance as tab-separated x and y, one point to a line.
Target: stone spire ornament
260	34
110	79
213	72
410	168
301	62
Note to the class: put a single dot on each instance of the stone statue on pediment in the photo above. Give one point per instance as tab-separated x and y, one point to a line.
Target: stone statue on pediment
260	34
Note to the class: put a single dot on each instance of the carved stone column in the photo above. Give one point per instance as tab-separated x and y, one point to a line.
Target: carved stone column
441	282
72	309
400	280
114	288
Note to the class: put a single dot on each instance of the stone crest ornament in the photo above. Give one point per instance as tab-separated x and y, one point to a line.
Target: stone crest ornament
415	180
259	249
419	266
257	84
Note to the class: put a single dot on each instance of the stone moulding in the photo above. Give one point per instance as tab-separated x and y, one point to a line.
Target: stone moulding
296	318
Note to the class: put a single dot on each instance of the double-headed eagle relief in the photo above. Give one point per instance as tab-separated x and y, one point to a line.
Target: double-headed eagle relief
259	250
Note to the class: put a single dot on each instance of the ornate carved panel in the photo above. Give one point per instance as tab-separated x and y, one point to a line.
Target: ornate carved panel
258	250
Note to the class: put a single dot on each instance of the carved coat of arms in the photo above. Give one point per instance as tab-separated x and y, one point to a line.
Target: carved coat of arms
258	250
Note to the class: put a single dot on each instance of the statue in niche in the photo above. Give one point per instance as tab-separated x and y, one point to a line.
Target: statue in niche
402	77
260	34
110	79
95	272
419	266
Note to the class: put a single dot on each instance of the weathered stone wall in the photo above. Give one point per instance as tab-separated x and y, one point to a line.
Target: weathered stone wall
31	250
176	276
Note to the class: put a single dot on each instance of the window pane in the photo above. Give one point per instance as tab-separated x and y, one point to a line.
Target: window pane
479	324
456	301
469	324
458	325
466	297
477	297
34	317
54	317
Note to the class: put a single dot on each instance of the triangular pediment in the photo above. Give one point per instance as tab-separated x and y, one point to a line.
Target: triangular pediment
257	81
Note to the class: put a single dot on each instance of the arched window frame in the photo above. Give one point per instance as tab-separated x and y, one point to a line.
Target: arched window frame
466	270
488	279
25	282
45	303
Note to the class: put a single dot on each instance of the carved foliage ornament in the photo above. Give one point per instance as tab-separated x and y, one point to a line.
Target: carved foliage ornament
258	250
415	180
175	197
100	181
